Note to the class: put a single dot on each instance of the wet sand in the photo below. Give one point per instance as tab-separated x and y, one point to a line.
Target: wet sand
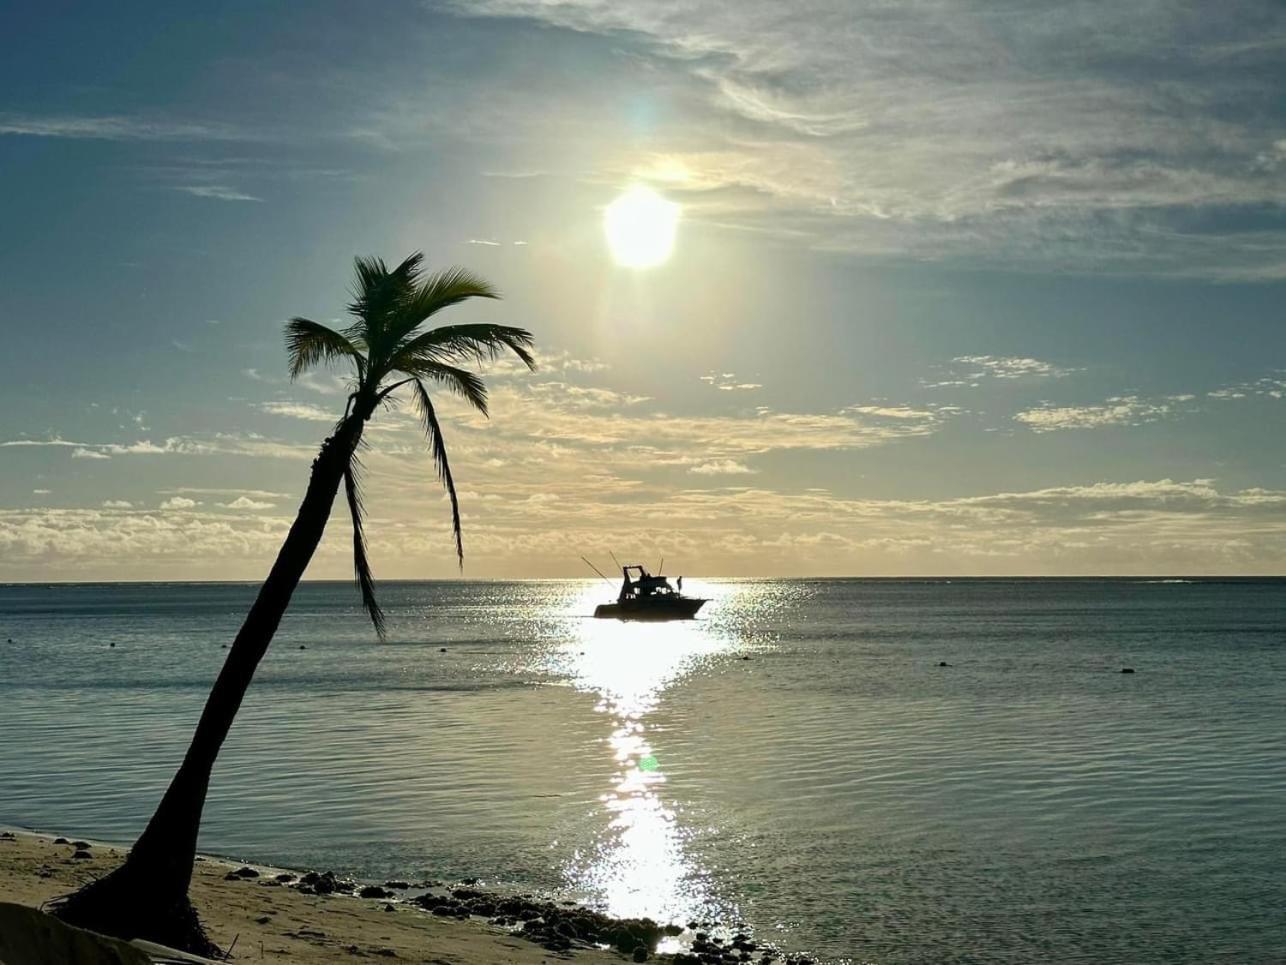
271	922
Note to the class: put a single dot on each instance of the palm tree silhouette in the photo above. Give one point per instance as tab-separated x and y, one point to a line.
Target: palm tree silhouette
388	350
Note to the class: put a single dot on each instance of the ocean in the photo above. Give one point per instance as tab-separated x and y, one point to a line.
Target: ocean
797	758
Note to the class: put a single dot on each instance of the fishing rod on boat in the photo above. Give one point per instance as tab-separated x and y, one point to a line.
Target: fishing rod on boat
598	571
615	560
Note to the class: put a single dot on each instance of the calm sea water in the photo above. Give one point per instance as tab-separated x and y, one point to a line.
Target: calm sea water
839	791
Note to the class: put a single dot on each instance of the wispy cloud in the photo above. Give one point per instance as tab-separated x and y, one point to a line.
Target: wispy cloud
218	192
973	370
80	452
723	467
298	410
728	382
1132	410
39	443
207	491
116	128
245	502
1120	411
1012	367
219	443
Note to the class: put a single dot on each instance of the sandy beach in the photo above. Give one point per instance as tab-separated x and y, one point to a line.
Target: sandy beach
273	923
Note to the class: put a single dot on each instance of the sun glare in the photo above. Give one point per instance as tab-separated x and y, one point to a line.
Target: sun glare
640	227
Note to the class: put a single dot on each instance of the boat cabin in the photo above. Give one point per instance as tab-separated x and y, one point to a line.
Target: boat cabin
644	585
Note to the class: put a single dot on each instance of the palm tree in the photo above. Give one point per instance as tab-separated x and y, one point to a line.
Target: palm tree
388	350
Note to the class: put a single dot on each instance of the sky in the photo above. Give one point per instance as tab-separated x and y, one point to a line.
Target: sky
959	287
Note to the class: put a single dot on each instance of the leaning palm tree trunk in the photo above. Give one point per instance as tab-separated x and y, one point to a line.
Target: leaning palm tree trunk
146	897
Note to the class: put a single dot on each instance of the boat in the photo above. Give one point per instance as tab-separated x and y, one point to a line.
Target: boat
647	597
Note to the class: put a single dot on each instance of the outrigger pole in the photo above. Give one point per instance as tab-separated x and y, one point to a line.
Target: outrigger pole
598	571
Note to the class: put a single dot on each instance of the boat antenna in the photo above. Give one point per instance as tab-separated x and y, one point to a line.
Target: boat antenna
598	571
614	559
661	569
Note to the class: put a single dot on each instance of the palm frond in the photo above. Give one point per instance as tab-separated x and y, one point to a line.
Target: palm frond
440	290
467	385
378	297
309	343
468	343
361	566
438	446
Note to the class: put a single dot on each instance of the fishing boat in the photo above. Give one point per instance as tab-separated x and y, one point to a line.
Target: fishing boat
647	597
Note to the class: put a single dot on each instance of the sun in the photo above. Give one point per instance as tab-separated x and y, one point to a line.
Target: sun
640	227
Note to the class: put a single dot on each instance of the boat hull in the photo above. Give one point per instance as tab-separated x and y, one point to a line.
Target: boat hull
671	608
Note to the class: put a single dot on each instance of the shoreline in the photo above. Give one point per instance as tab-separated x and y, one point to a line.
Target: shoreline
265	913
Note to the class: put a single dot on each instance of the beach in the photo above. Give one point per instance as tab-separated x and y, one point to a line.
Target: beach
262	919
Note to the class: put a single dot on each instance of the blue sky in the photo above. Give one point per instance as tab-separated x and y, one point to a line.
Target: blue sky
967	287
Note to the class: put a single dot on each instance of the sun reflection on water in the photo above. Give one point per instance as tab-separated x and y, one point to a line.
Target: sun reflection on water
642	865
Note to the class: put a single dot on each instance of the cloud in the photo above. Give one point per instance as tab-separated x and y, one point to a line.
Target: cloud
244	502
105	543
723	467
1119	411
179	502
1012	367
218	443
117	504
1135	410
1140	526
971	371
905	412
322	383
1271	387
601	417
115	128
55	442
298	410
218	192
727	382
207	491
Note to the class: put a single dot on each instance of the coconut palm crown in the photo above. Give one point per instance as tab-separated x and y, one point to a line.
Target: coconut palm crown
389	348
